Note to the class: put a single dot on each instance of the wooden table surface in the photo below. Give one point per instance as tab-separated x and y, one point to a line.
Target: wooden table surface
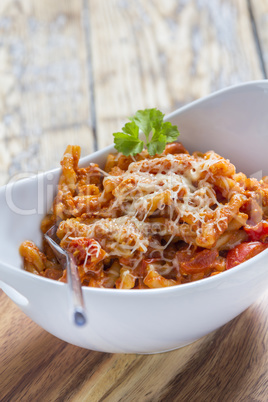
71	72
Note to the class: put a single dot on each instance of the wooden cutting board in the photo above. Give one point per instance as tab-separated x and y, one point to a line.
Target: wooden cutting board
229	364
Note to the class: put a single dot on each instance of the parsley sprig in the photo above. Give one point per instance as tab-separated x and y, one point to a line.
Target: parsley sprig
157	133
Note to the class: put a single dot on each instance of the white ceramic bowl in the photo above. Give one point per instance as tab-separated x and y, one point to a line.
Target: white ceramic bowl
233	122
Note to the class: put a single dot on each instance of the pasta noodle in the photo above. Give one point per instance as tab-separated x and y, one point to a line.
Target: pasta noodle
150	222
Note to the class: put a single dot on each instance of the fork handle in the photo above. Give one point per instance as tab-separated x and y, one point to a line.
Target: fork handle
79	314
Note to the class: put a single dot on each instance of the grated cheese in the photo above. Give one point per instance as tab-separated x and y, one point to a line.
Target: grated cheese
180	186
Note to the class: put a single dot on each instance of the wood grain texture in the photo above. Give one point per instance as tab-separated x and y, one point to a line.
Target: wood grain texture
230	364
69	69
166	54
44	89
260	15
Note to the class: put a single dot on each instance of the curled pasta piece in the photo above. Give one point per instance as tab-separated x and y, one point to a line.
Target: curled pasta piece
37	262
31	253
69	165
175	148
126	280
212	229
111	275
154	280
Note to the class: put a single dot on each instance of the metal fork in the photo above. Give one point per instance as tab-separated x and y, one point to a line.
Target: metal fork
67	261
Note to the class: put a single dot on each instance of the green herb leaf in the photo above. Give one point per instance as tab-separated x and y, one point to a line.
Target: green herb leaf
148	119
157	133
170	132
131	129
128	142
156	145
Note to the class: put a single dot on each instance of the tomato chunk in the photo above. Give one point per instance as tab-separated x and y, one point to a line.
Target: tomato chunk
200	262
86	251
244	252
258	232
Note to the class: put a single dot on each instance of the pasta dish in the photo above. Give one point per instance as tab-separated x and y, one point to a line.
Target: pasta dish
152	221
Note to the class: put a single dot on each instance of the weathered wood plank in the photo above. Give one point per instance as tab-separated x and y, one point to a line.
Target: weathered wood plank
44	90
260	15
165	54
